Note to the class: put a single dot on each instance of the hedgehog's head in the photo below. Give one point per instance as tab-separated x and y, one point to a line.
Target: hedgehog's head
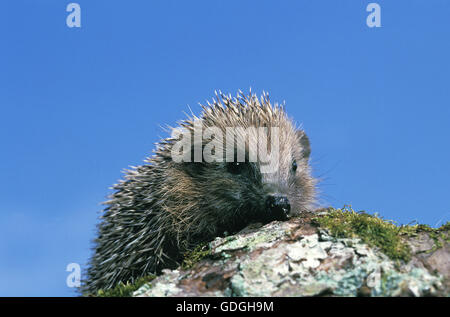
270	187
247	162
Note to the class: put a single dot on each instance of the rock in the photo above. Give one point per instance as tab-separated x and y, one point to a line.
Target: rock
299	258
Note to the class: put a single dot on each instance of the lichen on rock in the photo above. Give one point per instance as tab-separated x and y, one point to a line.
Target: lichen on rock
304	257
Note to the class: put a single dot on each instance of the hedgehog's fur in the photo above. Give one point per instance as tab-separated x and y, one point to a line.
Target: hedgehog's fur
162	208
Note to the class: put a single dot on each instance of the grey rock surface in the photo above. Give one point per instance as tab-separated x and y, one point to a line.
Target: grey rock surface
295	258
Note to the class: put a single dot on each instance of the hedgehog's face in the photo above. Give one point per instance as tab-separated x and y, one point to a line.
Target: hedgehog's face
289	189
280	187
240	192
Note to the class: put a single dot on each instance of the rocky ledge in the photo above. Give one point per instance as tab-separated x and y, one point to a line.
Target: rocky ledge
331	252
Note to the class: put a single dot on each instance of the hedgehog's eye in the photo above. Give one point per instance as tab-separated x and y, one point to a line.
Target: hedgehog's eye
294	165
235	167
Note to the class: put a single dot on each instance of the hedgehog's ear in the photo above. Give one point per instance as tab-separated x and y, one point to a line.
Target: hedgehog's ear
304	142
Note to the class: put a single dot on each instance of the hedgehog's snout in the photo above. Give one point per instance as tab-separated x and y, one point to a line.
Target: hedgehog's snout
278	206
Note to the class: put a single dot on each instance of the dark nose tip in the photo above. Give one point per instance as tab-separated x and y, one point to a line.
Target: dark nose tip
278	206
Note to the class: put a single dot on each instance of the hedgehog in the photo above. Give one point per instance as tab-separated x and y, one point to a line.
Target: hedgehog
167	206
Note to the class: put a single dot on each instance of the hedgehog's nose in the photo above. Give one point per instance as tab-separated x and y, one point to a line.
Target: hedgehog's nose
279	206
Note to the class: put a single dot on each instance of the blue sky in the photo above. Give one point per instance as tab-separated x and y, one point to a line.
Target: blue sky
78	105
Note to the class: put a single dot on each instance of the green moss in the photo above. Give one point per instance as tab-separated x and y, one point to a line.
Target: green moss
194	256
417	228
373	230
125	290
439	235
